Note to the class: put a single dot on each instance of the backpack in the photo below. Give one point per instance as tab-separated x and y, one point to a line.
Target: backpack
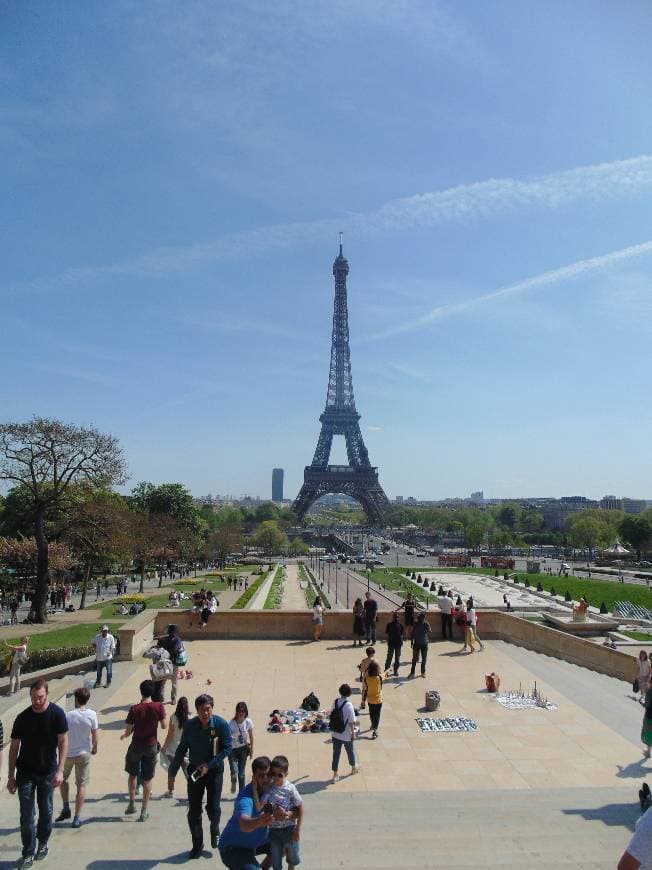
336	721
310	702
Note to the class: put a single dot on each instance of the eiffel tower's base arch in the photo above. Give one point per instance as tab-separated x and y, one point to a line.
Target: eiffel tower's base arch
360	484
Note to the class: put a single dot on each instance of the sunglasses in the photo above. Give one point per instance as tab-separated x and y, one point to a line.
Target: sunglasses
277	774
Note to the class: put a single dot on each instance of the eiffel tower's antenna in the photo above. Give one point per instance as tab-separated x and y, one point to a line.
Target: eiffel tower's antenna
341	236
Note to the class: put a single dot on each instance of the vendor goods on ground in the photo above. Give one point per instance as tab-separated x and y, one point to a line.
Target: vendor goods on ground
449	723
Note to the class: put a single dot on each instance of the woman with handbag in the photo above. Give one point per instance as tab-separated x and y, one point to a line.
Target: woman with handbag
242	744
18	659
642	680
173	643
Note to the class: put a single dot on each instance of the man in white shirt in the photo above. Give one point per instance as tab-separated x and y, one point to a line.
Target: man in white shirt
638	853
104	644
82	743
446	608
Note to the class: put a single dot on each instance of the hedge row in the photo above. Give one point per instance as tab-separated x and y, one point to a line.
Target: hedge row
249	593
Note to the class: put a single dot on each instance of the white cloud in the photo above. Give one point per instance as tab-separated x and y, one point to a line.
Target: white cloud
472	202
554	276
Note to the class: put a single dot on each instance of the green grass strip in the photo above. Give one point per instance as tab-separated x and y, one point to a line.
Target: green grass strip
248	594
312	590
275	595
62	638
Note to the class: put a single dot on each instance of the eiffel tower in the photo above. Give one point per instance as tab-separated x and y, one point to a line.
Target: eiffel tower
359	478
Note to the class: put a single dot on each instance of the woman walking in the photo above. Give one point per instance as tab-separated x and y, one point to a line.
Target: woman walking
374	683
242	744
177	720
646	730
358	622
642	674
408	606
18	659
317	618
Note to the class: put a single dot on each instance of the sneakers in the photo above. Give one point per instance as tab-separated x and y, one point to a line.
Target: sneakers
27	861
144	815
374	734
168	794
76	822
334	777
215	838
131	809
355	770
41	852
63	815
196	851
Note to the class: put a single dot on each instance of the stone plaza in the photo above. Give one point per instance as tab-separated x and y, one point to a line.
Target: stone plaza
531	787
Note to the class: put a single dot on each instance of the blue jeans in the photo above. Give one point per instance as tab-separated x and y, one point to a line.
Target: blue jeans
41	787
337	750
238	764
239	858
279	839
108	664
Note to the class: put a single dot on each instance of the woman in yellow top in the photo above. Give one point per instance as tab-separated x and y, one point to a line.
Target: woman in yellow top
374	684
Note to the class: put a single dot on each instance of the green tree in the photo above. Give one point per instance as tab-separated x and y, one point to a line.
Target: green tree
270	538
49	457
636	530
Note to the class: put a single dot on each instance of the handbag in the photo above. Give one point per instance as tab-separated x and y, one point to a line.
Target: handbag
162	669
635	686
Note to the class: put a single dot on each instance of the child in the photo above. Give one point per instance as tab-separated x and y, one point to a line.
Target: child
363	667
284	797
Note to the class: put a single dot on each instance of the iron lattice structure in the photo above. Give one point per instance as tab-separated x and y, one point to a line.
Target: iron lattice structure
359	478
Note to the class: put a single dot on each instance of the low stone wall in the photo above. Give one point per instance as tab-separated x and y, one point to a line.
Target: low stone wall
137	634
496	624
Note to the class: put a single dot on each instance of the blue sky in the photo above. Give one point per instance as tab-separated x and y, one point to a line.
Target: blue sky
174	180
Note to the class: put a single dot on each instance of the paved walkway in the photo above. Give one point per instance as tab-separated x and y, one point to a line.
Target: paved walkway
294	598
531	788
258	601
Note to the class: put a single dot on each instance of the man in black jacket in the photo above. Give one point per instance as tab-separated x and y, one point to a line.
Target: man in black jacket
421	640
394	632
370	616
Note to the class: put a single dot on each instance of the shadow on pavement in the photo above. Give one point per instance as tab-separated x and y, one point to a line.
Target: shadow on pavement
620	815
634	770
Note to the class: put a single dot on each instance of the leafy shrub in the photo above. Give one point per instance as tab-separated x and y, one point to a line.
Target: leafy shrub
539	587
603	608
48	658
527	583
553	591
567	596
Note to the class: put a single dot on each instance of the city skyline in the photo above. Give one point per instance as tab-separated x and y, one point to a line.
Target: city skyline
172	202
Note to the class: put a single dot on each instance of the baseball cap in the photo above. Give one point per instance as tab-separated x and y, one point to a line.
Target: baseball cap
105	628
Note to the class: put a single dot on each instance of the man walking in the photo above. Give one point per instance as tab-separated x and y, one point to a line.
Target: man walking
394	632
143	720
39	743
420	638
445	609
207	740
370	616
104	644
82	743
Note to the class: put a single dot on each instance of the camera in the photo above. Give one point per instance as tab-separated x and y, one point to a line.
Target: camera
268	807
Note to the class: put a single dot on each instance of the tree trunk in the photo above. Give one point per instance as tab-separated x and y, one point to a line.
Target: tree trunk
87	576
40	600
142	576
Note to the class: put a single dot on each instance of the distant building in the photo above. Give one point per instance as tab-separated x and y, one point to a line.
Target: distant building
611	503
477	497
634	505
277	484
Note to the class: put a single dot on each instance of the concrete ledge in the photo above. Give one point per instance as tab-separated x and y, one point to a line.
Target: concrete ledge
338	625
137	634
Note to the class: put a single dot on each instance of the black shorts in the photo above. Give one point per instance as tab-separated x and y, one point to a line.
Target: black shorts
141	761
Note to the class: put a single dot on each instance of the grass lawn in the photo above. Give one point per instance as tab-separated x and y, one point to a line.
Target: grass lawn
158	598
275	595
596	591
58	638
638	635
